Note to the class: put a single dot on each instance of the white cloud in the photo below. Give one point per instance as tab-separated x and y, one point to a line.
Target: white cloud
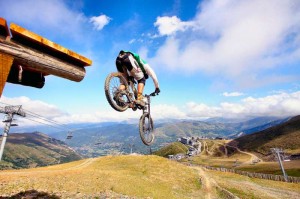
280	104
170	25
238	40
43	16
232	94
100	21
202	110
35	106
37	112
164	111
132	41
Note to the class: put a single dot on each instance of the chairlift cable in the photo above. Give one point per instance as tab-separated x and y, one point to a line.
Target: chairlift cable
63	126
47	120
46	124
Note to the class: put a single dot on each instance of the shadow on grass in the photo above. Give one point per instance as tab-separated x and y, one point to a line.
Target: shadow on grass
32	194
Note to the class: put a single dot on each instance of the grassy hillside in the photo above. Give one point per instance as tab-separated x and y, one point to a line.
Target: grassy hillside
172	149
285	136
35	149
249	188
141	176
137	176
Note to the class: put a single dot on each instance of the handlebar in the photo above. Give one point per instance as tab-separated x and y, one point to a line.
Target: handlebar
152	94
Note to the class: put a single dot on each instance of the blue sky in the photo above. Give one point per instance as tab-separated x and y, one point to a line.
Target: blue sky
218	58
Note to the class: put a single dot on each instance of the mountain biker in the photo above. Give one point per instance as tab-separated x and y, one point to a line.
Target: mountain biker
131	65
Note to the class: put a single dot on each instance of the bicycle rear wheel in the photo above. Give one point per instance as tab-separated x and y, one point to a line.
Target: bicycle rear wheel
146	129
115	97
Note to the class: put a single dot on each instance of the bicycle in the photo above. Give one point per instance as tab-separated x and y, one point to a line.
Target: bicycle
121	100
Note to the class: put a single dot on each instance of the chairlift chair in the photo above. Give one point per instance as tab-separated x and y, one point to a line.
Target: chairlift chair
69	136
8	120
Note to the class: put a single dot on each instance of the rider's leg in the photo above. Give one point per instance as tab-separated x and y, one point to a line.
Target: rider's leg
140	89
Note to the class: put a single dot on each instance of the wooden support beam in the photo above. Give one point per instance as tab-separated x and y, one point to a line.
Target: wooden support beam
30	39
5	65
27	57
40	62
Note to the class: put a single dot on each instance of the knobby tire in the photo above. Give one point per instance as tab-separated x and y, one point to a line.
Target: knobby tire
108	90
144	132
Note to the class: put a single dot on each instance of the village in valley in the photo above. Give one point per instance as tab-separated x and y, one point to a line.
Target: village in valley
194	145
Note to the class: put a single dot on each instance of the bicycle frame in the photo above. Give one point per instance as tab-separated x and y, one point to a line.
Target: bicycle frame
146	125
130	94
146	109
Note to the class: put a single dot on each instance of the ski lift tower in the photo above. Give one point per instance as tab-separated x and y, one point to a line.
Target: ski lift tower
10	111
278	152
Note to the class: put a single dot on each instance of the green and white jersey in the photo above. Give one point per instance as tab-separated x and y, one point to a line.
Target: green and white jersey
142	64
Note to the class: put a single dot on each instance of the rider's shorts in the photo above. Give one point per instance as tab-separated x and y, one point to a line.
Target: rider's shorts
143	80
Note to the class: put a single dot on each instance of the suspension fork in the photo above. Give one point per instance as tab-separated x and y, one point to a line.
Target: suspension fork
148	99
148	106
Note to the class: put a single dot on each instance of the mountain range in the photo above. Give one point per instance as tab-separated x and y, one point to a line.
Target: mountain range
92	140
102	139
36	149
285	135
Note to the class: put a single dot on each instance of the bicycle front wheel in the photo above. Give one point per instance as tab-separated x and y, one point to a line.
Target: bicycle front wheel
115	97
146	129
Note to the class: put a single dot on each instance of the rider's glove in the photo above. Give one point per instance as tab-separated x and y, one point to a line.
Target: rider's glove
157	90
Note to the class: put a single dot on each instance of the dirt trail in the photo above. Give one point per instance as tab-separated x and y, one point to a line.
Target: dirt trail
205	148
249	188
209	185
253	158
86	163
206	183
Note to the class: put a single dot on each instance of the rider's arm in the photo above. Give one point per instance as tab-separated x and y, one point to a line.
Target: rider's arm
152	74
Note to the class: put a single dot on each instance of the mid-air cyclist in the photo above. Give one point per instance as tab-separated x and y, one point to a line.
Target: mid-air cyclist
131	65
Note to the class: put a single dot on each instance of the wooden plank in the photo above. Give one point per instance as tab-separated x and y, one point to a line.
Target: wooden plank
40	62
5	65
3	28
31	39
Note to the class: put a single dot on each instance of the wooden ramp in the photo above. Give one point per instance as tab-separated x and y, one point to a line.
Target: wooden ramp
26	58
